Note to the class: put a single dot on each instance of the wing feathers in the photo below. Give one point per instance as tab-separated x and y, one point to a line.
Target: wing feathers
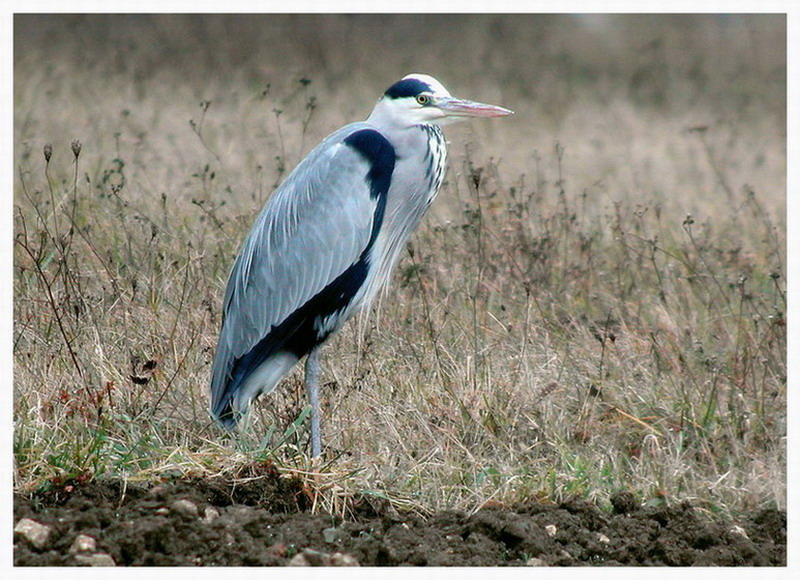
301	257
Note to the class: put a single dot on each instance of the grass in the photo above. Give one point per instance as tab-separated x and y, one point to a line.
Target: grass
596	301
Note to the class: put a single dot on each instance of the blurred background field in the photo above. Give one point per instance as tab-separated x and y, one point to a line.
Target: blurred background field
595	302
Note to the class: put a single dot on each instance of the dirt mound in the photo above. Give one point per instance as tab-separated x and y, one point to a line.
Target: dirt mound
265	520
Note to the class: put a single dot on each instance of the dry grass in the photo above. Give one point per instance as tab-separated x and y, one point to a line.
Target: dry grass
597	300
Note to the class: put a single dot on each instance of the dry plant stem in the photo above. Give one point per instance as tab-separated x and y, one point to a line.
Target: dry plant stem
50	299
197	128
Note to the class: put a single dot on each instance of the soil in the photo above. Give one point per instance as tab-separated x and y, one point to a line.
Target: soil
267	520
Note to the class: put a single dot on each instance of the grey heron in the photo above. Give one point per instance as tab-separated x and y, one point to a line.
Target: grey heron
326	241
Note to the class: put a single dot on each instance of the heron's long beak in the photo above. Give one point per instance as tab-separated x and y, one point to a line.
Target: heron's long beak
462	108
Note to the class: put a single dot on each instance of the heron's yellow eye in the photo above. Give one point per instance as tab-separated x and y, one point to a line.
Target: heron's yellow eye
423	99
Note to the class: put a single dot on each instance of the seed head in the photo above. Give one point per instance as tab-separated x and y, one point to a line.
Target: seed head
76	148
48	152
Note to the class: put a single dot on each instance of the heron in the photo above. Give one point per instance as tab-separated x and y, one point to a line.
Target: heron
326	241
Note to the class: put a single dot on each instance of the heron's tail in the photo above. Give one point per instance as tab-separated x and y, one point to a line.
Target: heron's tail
227	417
248	381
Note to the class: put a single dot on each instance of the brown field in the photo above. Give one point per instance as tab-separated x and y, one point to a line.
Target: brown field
594	305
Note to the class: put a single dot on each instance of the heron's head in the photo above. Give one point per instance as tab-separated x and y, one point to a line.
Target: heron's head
420	99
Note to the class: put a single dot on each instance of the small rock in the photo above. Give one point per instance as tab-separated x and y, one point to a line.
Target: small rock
278	550
309	557
603	538
83	543
315	558
162	511
210	514
234	514
340	559
740	531
330	535
37	534
98	559
185	508
536	562
299	560
551	530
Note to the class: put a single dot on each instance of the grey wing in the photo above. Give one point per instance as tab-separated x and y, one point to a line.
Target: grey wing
318	224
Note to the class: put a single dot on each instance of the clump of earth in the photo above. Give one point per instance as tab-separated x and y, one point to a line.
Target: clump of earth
267	520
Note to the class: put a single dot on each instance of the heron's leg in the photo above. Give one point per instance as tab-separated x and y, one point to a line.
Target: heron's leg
313	371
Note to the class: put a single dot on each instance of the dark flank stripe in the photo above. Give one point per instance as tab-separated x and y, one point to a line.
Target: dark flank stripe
380	155
298	333
407	88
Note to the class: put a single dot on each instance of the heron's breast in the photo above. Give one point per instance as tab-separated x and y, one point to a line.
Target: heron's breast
418	175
